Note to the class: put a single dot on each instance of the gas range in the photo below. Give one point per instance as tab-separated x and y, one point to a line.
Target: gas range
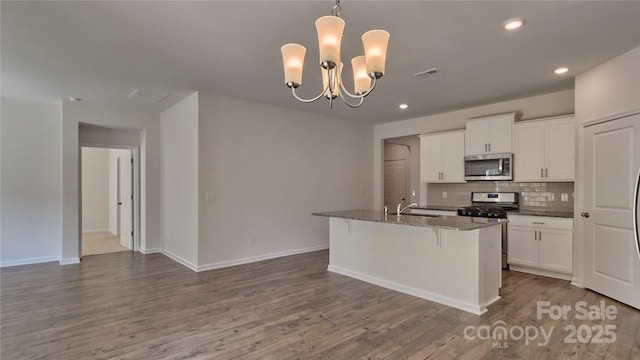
493	205
499	212
490	205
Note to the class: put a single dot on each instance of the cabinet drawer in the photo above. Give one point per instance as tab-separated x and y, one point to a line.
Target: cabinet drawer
541	222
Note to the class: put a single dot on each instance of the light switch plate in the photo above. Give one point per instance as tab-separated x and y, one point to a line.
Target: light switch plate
444	194
210	197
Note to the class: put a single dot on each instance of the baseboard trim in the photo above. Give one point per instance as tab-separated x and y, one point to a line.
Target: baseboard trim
91	231
29	261
150	251
427	295
577	282
541	272
69	261
179	259
247	260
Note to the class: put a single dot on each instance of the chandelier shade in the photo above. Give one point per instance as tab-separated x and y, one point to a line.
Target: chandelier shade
293	60
330	29
375	50
367	68
361	79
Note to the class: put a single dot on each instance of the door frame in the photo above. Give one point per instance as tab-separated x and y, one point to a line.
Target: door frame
579	224
135	155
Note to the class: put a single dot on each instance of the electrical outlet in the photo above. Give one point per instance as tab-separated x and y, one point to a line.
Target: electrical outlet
564	197
444	194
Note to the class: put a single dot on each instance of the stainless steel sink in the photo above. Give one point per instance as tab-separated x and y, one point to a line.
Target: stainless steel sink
410	214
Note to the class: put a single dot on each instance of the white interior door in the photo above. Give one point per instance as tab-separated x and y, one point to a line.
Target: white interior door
125	201
612	159
395	182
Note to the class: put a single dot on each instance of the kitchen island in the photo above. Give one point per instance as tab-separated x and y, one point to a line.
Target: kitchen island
455	261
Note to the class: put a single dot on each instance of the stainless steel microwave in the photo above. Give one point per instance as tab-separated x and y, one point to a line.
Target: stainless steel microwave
489	167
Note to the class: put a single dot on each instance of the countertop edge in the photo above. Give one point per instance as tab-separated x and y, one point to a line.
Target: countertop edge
417	221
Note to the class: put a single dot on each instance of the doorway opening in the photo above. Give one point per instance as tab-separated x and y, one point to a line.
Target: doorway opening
401	171
107	206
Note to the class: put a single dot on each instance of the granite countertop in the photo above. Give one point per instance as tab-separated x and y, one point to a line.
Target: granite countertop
559	214
462	223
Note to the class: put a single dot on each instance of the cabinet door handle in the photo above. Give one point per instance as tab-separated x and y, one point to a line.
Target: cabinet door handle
538	223
546	172
541	172
539	235
489	147
486	148
535	235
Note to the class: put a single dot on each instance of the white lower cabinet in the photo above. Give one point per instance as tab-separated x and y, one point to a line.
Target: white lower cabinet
541	245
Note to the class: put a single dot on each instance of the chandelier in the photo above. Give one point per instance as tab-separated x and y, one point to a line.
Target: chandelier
367	68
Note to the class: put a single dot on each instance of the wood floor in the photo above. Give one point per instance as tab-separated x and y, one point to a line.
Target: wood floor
102	242
132	306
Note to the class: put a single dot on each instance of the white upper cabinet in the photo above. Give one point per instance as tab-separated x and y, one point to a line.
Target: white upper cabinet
442	157
544	149
489	135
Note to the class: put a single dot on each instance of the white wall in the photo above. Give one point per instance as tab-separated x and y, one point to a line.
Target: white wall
269	168
30	223
95	189
531	107
180	181
610	88
147	123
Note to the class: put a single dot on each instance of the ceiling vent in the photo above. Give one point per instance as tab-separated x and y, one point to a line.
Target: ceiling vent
147	97
427	72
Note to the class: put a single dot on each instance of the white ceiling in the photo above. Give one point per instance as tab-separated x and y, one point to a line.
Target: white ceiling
102	51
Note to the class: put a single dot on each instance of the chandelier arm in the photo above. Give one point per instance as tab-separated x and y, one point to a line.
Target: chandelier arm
350	104
293	91
373	85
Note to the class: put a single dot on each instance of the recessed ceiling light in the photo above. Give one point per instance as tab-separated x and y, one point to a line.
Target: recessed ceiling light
403	106
561	70
74	99
513	24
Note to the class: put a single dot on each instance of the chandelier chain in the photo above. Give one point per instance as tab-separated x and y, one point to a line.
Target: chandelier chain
335	11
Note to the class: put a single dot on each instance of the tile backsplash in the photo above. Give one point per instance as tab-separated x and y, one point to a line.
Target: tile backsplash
533	195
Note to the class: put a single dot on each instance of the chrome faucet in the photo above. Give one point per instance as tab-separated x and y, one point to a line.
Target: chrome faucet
400	209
